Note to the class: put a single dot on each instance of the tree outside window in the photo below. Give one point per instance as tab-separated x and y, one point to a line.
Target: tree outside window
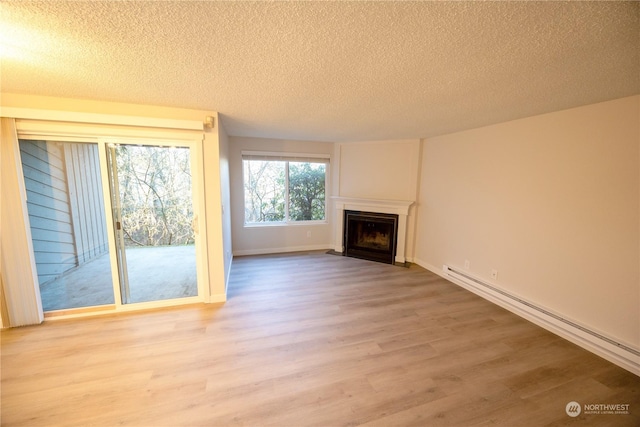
155	195
283	191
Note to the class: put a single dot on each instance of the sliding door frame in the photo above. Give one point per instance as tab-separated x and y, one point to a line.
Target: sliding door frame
195	158
68	126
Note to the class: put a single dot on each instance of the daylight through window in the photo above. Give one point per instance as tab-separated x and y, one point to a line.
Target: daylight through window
281	189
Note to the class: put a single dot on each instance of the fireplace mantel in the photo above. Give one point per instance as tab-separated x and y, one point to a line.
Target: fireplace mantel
399	207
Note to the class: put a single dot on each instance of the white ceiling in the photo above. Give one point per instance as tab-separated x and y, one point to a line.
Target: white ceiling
331	71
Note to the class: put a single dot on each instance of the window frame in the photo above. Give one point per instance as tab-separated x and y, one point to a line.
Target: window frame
287	158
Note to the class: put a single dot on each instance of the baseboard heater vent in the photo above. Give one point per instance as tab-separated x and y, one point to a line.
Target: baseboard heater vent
616	352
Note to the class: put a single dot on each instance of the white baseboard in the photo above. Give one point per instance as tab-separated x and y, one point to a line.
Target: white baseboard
265	251
228	276
622	354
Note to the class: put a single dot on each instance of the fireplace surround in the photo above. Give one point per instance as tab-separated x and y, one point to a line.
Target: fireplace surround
376	206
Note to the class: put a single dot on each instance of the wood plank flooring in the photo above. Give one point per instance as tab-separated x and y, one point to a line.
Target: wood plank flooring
309	339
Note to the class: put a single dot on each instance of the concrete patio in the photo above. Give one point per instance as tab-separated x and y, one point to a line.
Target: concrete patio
155	273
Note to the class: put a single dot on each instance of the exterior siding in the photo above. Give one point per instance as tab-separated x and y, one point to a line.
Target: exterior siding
65	204
87	201
49	210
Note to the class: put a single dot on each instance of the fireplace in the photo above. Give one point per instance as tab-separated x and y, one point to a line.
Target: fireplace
370	235
376	207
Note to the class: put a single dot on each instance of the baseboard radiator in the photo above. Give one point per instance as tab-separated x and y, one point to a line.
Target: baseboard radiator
619	353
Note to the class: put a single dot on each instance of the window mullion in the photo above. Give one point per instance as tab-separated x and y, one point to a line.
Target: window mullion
286	192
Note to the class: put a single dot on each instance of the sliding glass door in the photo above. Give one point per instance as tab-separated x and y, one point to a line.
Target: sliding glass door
65	203
112	224
153	214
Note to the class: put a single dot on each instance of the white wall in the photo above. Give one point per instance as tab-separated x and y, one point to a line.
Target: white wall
273	238
551	202
379	169
383	170
225	194
214	184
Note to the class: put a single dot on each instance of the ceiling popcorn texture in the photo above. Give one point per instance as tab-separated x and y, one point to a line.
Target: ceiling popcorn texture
328	71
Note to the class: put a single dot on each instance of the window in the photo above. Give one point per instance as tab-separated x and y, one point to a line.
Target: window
283	189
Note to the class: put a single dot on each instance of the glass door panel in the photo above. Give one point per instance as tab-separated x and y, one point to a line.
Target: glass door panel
68	225
153	214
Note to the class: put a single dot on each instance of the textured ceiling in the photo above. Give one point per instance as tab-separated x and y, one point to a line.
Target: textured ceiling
333	71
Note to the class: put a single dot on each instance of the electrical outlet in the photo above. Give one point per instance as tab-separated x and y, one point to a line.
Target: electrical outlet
466	264
494	274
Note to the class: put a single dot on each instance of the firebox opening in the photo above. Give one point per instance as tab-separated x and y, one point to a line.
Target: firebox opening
370	235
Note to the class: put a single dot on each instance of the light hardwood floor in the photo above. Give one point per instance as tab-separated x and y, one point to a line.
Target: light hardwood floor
310	339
